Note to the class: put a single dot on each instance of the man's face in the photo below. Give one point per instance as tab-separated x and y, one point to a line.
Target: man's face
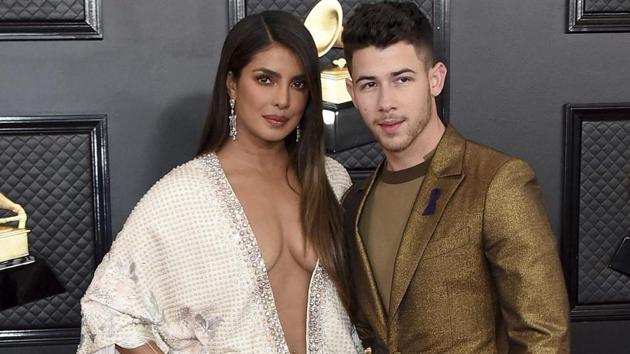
394	90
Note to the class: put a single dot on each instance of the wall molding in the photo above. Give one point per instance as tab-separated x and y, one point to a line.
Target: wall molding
49	22
593	19
56	168
596	194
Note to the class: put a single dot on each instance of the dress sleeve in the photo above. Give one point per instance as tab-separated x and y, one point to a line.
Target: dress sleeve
338	177
523	258
119	307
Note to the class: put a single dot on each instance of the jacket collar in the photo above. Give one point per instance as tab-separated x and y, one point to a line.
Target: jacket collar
444	174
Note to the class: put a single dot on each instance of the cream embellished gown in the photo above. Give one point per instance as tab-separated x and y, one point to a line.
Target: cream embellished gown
187	273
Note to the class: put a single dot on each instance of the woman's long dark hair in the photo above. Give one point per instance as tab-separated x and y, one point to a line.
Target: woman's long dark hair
320	212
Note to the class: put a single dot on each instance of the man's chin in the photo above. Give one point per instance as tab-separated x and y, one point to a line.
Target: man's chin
392	146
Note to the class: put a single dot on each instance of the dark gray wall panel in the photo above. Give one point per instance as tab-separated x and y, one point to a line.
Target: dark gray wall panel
151	74
512	69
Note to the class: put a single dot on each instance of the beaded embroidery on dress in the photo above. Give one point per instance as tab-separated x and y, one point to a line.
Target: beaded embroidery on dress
193	280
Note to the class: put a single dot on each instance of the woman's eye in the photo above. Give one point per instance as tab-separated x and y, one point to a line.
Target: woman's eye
298	85
265	80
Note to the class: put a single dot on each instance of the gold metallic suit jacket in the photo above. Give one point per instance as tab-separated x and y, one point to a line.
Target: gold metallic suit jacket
479	274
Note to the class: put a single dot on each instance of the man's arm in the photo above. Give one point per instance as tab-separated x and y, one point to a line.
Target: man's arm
350	205
521	251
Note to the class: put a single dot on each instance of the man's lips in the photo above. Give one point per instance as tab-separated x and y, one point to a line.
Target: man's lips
389	126
275	120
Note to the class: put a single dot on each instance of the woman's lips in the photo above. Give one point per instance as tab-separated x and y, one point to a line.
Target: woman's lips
274	120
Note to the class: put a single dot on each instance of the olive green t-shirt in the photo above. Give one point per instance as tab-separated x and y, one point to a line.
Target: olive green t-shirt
383	219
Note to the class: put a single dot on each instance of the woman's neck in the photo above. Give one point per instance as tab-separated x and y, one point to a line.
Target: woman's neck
260	157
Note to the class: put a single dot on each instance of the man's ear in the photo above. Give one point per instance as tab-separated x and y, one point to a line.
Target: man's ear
350	89
437	78
231	85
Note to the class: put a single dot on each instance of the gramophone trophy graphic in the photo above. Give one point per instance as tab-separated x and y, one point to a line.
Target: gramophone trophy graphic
344	128
23	278
13	240
324	22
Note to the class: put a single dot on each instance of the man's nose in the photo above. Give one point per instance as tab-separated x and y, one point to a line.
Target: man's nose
385	99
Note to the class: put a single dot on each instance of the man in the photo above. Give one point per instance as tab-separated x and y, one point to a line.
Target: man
451	249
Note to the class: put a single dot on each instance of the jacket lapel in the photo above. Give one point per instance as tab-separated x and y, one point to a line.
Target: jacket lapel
442	179
374	310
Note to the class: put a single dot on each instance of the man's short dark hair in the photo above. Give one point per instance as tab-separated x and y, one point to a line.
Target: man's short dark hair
385	23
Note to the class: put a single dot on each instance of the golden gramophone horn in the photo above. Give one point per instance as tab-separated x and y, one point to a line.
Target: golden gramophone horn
324	24
13	240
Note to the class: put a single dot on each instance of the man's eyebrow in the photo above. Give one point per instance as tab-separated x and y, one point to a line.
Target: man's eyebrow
365	77
392	74
402	71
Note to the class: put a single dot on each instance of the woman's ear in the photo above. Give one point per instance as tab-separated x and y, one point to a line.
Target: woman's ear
231	85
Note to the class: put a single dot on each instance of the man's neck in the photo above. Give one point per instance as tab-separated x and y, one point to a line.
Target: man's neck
416	152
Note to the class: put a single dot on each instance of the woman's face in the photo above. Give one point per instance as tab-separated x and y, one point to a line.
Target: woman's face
271	94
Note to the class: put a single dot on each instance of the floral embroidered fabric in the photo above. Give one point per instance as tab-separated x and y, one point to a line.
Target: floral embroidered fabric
187	273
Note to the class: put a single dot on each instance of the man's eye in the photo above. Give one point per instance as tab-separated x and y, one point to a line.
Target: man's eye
404	79
368	85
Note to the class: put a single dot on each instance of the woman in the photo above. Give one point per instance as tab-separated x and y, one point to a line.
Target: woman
239	250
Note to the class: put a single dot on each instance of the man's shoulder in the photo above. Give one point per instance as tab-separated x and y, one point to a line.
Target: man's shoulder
484	159
485	153
488	163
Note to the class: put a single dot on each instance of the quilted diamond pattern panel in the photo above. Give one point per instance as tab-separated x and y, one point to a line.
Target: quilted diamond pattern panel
302	8
607	6
38	10
604	210
50	175
360	158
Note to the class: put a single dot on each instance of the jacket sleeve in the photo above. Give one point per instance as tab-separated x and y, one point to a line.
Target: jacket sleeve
521	251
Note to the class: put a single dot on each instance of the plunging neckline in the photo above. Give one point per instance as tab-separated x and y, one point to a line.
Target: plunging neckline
252	255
